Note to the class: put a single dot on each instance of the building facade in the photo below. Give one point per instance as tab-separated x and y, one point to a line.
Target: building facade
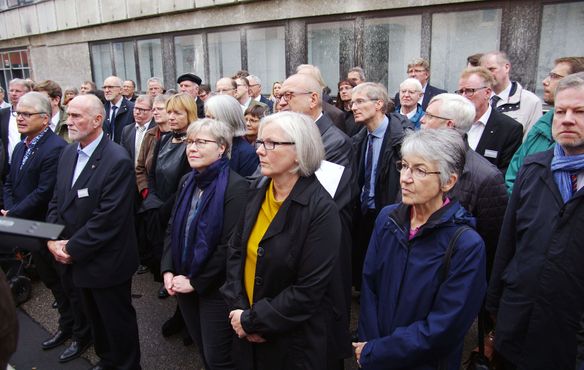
70	41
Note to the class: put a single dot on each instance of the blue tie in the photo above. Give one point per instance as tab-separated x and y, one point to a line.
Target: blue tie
368	171
113	122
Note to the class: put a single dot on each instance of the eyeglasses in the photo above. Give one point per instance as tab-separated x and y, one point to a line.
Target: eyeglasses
554	76
199	143
430	115
25	115
271	145
288	95
359	102
417	172
141	110
469	92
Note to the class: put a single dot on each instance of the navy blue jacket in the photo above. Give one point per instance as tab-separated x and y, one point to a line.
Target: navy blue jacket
409	317
244	159
27	191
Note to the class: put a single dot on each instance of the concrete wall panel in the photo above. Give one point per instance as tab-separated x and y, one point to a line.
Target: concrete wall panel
88	12
141	8
113	10
47	17
12	21
3	31
29	21
166	6
68	65
66	11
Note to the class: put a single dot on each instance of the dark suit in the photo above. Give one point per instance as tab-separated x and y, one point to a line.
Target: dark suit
27	193
337	145
98	214
124	117
500	140
267	102
431	91
200	108
128	140
4	123
336	116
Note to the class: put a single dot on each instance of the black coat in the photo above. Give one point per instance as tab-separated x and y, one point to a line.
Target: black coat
292	305
537	284
500	140
124	117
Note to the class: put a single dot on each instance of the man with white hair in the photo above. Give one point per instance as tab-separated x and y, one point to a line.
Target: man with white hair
118	110
481	188
410	93
255	91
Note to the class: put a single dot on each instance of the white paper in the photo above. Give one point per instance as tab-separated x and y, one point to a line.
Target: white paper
329	174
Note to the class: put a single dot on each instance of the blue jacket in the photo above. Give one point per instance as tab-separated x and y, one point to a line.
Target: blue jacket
244	159
409	317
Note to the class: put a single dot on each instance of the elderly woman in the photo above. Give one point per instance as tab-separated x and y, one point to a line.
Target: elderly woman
252	116
410	92
424	276
281	258
205	214
226	109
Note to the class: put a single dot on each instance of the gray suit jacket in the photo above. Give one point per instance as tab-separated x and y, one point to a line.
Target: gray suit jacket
337	145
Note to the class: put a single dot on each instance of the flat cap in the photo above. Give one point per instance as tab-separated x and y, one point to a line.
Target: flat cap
189	77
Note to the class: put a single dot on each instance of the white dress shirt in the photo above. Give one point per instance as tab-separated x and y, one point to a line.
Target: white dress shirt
477	128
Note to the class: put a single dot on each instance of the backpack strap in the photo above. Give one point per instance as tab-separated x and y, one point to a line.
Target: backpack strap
448	255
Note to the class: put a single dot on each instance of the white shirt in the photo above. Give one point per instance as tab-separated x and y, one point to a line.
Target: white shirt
477	128
244	106
55	121
83	155
4	104
140	132
14	137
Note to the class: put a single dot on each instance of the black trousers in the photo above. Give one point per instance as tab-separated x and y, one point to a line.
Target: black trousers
364	224
113	324
81	330
207	319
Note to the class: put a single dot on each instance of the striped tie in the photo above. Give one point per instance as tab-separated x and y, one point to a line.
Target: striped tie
574	181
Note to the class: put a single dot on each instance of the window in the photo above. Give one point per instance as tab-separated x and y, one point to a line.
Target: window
149	60
266	55
457	35
561	32
224	55
125	61
331	47
13	64
389	45
190	55
102	62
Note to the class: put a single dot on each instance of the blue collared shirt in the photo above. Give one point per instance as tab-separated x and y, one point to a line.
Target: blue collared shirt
83	155
377	136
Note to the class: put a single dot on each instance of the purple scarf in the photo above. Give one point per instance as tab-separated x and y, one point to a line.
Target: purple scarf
190	255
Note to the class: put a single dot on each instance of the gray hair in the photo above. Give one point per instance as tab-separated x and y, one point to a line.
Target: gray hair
146	99
374	91
313	71
39	102
20	81
457	108
219	130
301	130
446	148
227	109
573	81
255	78
360	71
411	81
161	98
155	79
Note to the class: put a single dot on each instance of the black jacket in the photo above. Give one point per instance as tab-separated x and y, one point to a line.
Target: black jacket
292	305
500	140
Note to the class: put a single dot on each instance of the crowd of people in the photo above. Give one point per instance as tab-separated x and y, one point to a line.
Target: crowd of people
266	216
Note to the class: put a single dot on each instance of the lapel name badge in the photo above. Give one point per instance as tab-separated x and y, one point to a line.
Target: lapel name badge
83	193
491	153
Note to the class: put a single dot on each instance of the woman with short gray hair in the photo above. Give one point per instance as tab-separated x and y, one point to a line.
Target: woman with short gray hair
282	256
424	277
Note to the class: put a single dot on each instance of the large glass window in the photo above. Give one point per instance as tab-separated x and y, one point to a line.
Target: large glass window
13	64
457	35
224	54
124	60
389	44
561	34
331	47
266	55
150	60
102	62
190	55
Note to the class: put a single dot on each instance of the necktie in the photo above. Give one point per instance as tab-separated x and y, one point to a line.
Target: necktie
574	181
494	100
367	177
140	131
113	122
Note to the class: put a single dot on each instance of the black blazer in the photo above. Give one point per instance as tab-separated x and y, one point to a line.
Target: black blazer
4	123
27	191
267	102
212	277
296	256
124	117
200	108
500	140
98	215
128	139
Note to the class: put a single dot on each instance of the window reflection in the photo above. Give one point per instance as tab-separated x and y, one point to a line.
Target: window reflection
266	55
189	55
125	62
224	54
149	59
102	62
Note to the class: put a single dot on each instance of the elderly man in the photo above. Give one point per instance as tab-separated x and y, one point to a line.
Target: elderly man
410	93
419	68
376	151
155	87
536	290
8	126
53	91
356	75
92	199
509	97
189	83
132	135
540	137
480	188
128	90
494	135
118	110
255	91
226	86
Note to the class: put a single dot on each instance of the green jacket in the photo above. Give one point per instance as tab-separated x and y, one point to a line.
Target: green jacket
538	140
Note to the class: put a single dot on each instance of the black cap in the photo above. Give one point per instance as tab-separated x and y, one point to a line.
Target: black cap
189	77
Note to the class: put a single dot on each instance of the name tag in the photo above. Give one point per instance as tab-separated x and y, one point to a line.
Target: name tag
488	153
82	193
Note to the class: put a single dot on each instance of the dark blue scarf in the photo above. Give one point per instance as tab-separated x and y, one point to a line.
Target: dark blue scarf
190	255
564	165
